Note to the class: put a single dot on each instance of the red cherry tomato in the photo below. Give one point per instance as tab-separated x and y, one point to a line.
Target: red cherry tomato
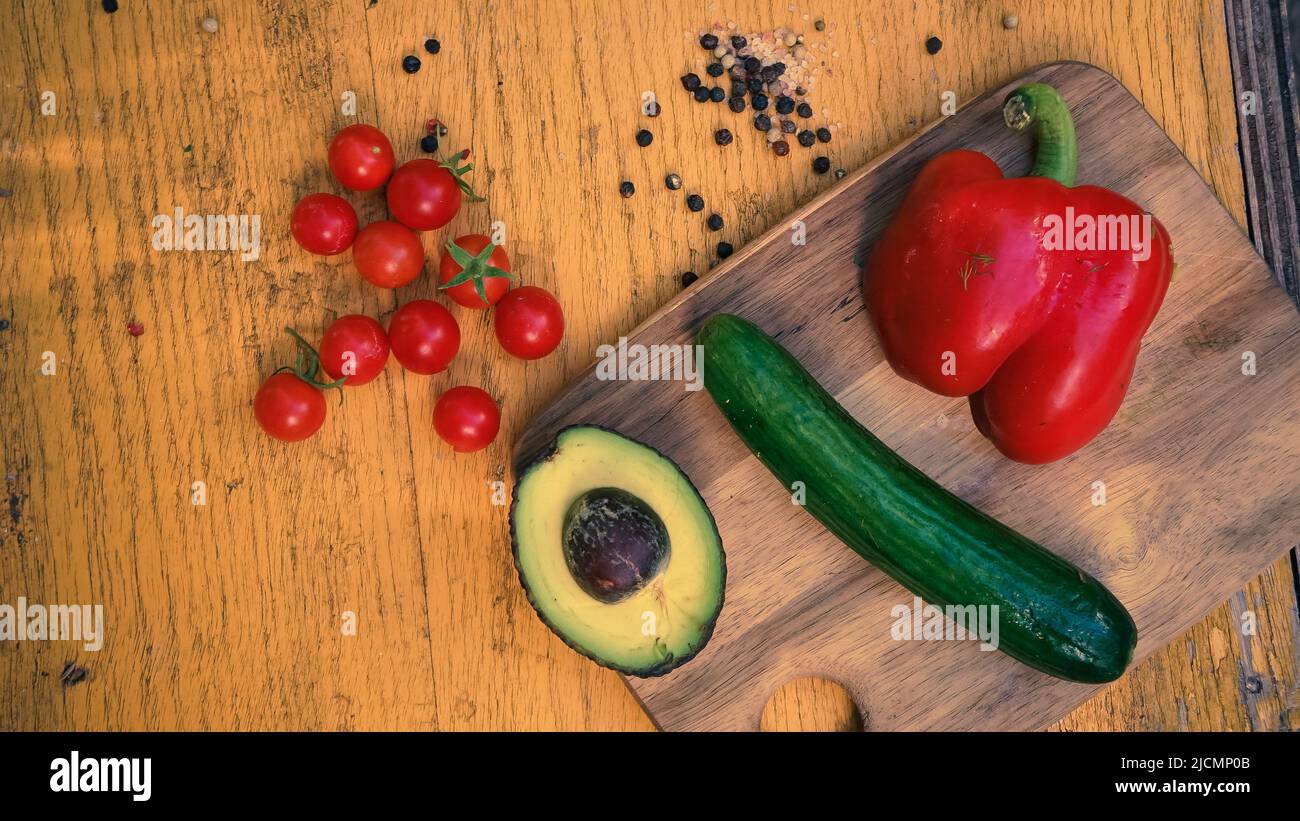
482	268
323	224
387	254
423	195
528	322
360	157
289	408
466	418
354	346
424	336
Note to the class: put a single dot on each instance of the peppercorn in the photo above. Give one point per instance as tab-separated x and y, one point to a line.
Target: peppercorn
717	95
738	87
779	68
724	250
821	165
714	222
690	81
788	127
722	136
626	188
769	74
784	104
738	42
781	147
820	25
804	110
753	65
432	46
709	41
410	64
714	69
755	85
759	102
824	134
736	104
933	44
840	173
701	94
429	143
209	24
652	109
762	122
673	182
109	6
644	138
1010	21
695	202
806	138
688	279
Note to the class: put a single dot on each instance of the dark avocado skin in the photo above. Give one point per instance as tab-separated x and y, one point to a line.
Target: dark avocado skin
669	664
1052	616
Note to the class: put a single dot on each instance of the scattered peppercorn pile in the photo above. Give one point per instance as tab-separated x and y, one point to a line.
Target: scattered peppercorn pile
769	72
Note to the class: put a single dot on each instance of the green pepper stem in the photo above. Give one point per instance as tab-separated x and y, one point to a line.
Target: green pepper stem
1040	106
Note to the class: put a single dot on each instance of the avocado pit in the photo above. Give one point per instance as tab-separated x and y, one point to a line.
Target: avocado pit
614	543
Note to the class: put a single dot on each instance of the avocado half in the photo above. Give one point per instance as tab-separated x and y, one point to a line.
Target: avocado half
617	551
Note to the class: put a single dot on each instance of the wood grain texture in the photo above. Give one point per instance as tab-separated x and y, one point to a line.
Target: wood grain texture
227	616
1199	465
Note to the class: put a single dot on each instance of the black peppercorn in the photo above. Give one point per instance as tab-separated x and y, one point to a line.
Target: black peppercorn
432	46
755	85
410	64
759	101
824	134
804	110
769	74
806	138
714	222
784	104
787	127
644	138
736	104
429	143
109	6
724	250
753	65
626	188
722	136
821	165
673	182
688	279
690	81
762	122
714	69
701	94
652	109
933	45
738	42
709	41
717	95
737	87
695	202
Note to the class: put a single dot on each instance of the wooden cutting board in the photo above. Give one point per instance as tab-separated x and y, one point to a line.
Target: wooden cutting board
1200	466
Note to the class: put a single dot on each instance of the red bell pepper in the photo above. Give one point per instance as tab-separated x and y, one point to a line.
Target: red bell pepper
1027	295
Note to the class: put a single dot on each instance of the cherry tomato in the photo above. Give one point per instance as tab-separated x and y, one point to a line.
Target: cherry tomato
354	346
288	408
466	418
323	224
481	267
528	322
360	157
425	194
424	336
387	254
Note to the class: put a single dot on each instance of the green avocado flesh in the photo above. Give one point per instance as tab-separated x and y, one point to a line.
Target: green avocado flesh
618	553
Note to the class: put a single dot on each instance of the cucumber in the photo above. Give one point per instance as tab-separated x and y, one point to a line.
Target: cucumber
1051	615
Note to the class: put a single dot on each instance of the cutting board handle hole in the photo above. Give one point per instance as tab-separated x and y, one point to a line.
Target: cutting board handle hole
811	704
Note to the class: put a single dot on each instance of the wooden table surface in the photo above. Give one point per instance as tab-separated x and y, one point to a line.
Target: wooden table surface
230	614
